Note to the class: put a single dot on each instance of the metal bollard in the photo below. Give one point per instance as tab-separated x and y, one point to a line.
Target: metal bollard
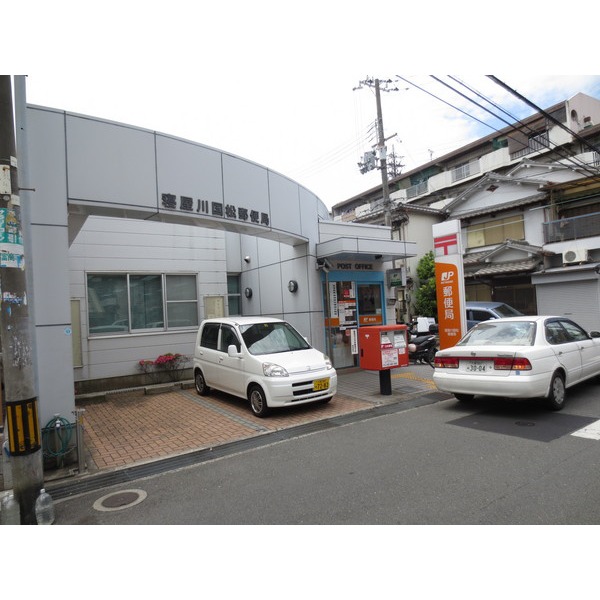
78	412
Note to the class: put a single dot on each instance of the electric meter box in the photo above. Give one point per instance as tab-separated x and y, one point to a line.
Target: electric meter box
383	347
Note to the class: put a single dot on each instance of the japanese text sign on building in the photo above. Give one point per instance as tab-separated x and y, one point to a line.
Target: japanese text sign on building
214	209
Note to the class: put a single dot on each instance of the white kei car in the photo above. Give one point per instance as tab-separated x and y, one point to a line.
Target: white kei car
262	359
519	357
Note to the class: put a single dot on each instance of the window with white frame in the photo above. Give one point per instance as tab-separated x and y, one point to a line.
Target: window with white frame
125	303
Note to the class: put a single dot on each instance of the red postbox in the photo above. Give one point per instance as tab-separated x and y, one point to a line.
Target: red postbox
382	348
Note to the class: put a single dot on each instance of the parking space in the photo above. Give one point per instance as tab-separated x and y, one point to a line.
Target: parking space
133	427
122	429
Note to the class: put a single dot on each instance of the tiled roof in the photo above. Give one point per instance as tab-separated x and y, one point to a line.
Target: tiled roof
517	266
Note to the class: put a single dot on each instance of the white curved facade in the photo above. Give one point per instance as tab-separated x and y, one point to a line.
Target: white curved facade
113	202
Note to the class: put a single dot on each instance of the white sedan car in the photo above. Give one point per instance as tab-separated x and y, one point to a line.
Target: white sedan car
519	357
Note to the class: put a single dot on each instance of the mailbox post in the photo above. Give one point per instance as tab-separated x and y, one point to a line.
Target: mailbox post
383	348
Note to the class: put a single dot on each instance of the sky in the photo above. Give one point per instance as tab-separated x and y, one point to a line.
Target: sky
276	83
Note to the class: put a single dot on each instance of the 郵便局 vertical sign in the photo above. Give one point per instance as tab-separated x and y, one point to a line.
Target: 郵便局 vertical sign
449	283
448	295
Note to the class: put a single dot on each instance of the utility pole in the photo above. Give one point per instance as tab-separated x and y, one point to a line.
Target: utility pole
381	139
22	421
382	157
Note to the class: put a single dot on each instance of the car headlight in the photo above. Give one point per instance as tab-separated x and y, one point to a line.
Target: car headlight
273	370
327	360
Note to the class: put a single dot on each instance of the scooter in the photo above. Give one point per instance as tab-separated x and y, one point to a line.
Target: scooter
422	348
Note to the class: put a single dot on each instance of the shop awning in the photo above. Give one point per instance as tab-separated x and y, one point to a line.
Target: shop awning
364	249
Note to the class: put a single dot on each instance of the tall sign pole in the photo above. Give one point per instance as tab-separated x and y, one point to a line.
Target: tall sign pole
449	282
22	421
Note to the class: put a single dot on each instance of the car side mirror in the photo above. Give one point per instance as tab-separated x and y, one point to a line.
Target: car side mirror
595	334
233	351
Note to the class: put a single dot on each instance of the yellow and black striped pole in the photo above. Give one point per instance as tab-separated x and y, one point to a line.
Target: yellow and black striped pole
24	434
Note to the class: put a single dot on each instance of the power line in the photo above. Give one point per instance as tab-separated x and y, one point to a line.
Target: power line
447	103
560	151
546	114
471	100
331	157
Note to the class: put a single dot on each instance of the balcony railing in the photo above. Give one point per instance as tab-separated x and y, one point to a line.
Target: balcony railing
465	171
416	190
539	142
572	229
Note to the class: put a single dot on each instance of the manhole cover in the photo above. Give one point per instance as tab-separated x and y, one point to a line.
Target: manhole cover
120	500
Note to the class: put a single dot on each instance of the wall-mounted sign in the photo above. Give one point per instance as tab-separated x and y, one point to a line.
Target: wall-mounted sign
347	312
396	277
12	253
352	266
214	209
214	307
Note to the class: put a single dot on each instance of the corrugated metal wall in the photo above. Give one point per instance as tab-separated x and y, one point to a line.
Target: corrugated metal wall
577	300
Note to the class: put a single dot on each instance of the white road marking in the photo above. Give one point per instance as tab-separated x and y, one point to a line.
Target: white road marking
591	431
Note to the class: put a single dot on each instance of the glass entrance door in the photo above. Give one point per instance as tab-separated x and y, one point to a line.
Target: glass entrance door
341	322
350	305
370	306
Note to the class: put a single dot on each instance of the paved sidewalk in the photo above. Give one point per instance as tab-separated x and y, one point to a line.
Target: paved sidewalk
123	429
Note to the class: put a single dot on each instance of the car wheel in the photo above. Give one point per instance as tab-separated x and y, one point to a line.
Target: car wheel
258	401
200	383
325	400
556	395
464	397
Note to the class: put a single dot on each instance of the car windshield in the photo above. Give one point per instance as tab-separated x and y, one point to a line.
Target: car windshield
505	310
271	338
494	333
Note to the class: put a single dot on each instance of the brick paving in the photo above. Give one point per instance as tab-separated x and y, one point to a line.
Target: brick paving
126	428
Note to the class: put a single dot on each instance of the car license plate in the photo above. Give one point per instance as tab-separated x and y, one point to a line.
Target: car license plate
320	384
477	366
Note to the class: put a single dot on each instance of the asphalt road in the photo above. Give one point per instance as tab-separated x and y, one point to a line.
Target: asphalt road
492	462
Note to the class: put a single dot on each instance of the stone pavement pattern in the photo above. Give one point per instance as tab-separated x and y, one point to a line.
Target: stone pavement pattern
133	427
125	428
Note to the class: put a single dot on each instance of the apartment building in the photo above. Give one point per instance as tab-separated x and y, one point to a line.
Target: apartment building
528	199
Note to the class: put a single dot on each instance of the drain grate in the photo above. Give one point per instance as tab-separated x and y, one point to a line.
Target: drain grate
120	500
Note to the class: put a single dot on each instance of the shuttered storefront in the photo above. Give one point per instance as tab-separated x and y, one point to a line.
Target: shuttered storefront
578	300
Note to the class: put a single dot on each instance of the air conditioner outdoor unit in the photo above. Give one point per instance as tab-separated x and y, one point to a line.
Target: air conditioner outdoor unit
574	256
